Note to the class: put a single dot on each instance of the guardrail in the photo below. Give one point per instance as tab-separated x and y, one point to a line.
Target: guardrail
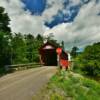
21	66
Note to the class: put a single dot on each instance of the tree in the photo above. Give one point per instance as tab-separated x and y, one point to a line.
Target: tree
5	48
29	39
74	52
50	39
90	60
5	36
62	45
4	21
39	37
32	46
18	49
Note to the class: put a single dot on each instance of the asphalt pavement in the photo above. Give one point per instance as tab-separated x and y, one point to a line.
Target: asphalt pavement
23	85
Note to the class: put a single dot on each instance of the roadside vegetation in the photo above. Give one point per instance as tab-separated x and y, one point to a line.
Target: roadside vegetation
88	62
70	86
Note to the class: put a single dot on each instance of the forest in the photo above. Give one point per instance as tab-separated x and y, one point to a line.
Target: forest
88	61
15	47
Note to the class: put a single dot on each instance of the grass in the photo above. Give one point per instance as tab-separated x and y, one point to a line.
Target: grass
71	86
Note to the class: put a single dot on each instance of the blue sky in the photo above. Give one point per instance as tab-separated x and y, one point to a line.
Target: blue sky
36	7
76	22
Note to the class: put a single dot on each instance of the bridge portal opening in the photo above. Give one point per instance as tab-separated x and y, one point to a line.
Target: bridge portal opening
48	55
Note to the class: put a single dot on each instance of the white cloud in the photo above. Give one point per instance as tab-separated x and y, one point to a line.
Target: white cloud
55	6
22	21
83	31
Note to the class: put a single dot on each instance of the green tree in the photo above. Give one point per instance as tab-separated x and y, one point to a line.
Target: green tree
74	52
29	39
90	60
62	45
18	49
50	39
4	21
5	48
33	44
5	36
39	37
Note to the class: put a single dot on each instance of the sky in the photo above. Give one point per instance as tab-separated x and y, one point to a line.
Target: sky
76	22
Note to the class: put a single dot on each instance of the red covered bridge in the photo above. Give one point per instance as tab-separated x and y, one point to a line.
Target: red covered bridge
48	55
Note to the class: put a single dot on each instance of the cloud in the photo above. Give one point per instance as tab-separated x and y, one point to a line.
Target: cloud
84	30
53	7
24	22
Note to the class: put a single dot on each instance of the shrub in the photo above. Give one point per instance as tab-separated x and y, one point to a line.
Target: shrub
89	60
91	68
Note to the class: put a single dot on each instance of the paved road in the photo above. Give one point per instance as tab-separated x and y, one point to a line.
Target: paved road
23	85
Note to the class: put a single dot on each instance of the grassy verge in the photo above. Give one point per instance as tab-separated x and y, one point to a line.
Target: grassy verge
70	86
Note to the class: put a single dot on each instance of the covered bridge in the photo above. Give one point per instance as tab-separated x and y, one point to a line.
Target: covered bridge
48	55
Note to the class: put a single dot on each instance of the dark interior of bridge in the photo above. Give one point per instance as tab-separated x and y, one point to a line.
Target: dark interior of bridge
50	57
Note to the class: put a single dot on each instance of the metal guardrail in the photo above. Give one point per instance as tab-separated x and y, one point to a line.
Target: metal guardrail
21	66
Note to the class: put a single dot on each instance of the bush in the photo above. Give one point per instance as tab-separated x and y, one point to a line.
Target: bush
89	61
91	68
